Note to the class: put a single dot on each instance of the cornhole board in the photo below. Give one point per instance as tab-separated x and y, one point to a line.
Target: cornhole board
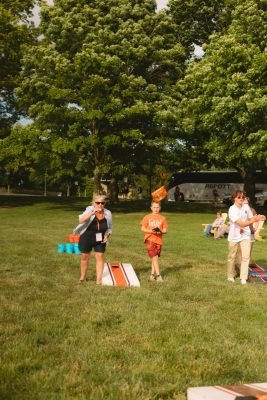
257	273
119	274
227	392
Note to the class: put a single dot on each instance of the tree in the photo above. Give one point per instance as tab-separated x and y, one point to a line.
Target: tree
36	156
224	103
196	20
97	76
15	32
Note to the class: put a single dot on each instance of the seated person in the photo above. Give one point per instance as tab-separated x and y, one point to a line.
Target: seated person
218	221
222	230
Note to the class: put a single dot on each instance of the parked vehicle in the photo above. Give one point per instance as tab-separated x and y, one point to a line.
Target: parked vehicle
227	200
261	199
200	186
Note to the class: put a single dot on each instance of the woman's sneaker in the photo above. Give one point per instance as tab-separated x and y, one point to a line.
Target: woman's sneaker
231	280
158	278
152	277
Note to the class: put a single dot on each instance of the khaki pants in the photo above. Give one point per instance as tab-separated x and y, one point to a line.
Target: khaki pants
245	246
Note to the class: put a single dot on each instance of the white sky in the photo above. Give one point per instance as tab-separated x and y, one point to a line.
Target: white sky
161	4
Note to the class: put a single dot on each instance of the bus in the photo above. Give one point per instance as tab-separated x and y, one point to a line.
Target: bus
200	186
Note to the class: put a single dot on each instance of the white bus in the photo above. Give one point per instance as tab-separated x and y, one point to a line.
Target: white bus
200	186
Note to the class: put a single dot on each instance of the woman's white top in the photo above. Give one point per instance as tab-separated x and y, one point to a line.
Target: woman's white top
236	232
81	228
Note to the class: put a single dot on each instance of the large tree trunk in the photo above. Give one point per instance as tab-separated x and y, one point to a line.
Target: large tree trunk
68	190
249	184
113	190
98	189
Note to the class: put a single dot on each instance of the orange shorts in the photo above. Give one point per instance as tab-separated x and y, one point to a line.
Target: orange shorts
153	249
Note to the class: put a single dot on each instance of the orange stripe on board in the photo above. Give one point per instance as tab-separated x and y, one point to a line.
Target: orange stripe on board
118	274
245	390
261	391
223	389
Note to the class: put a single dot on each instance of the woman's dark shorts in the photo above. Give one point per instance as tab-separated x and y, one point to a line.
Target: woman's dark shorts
86	245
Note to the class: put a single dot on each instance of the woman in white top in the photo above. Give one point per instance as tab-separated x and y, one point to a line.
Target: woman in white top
241	218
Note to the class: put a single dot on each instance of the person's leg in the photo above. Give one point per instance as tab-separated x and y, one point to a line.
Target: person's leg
239	254
207	231
152	267
245	256
99	267
155	265
251	247
220	232
84	265
157	276
232	250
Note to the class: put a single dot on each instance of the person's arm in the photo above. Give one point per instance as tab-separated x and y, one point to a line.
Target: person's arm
255	218
109	230
146	229
87	214
164	227
106	236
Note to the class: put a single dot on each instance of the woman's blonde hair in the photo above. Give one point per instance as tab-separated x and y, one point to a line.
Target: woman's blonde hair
99	197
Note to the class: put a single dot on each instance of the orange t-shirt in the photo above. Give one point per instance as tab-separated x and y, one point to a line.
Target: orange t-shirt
152	221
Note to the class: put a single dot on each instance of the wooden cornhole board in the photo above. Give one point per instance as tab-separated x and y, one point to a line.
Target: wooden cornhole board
227	392
119	274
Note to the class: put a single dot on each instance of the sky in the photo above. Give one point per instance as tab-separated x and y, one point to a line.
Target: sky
161	4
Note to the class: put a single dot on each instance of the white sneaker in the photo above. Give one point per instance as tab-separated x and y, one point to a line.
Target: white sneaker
231	280
243	281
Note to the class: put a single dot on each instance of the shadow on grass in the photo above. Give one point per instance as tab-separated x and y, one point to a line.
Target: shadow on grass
165	271
176	268
124	206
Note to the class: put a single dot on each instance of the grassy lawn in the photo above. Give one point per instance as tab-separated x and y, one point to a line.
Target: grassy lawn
60	340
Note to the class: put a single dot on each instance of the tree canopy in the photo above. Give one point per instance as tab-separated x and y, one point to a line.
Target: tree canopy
15	32
113	87
96	78
224	102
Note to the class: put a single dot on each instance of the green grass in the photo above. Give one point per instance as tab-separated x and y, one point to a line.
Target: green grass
60	340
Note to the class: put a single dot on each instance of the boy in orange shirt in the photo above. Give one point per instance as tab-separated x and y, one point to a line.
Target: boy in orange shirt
154	225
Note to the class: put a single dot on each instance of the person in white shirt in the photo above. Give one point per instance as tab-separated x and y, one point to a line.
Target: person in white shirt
241	217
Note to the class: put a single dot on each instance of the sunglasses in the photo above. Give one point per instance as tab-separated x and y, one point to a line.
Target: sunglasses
99	202
241	197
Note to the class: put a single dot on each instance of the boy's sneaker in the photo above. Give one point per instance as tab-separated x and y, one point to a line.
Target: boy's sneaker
158	278
243	281
152	278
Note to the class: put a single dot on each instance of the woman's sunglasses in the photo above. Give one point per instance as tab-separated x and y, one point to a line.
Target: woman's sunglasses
241	197
99	202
